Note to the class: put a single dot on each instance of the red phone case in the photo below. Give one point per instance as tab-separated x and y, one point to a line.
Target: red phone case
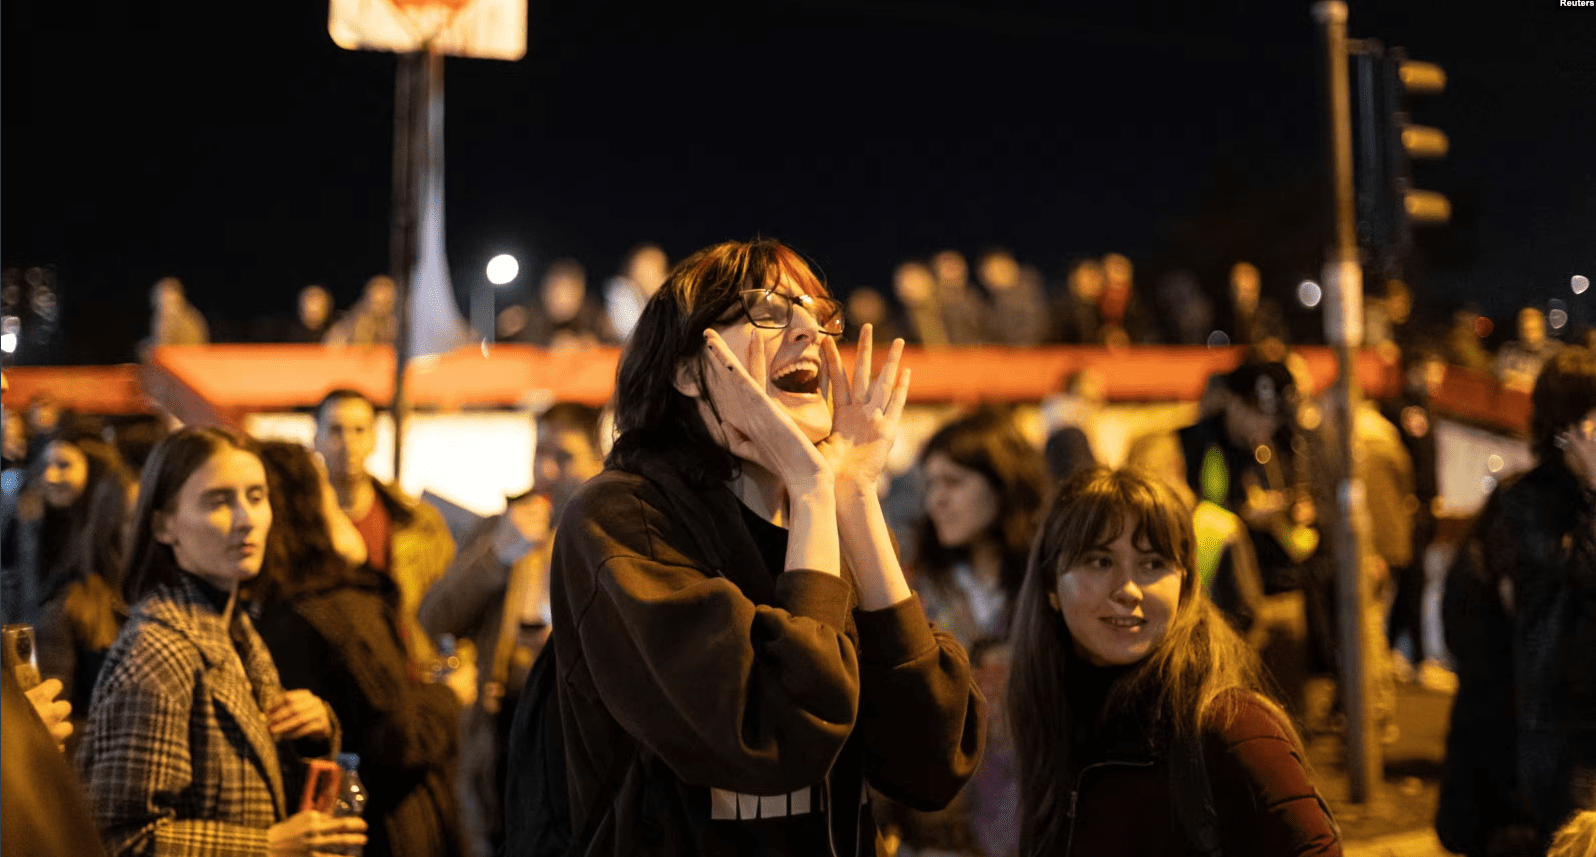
321	785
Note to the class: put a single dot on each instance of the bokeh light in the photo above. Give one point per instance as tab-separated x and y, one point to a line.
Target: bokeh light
502	269
1579	283
1309	293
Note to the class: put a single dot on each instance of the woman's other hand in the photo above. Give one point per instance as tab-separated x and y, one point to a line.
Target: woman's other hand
311	833
756	427
866	413
54	712
299	714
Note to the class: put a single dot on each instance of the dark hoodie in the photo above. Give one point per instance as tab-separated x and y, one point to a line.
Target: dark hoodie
740	712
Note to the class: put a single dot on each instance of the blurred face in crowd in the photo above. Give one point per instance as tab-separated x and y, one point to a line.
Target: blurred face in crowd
1244	286
218	522
381	295
564	459
1086	281
913	284
1117	271
563	294
1248	424
648	269
346	435
66	472
43	416
950	268
999	272
866	306
16	436
1531	326
961	504
168	297
1118	599
314	306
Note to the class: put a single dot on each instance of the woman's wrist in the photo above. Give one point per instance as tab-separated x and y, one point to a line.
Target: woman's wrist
817	487
853	490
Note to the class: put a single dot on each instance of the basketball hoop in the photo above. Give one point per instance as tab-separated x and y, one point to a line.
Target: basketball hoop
485	29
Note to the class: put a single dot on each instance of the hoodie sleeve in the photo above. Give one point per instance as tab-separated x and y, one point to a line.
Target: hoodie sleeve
921	716
753	698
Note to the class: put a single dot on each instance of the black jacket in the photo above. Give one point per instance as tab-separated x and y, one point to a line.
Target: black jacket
742	713
1520	617
340	640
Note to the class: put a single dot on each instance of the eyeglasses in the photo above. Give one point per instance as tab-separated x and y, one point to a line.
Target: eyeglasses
772	310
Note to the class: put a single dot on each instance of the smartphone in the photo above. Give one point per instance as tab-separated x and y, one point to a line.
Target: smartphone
20	655
321	785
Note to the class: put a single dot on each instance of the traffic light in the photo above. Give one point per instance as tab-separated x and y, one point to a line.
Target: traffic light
1408	142
1389	143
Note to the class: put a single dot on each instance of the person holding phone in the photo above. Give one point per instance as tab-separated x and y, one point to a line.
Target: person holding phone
333	626
189	729
738	653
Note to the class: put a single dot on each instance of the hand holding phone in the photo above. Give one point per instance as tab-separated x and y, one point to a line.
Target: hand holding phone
321	785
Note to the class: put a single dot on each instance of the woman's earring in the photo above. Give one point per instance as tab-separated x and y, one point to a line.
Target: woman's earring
1560	440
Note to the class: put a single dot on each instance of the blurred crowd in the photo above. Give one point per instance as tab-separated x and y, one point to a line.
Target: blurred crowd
943	300
372	630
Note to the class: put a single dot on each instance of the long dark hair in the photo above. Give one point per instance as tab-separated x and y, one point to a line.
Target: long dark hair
149	562
97	519
988	442
652	417
1564	392
1175	685
299	549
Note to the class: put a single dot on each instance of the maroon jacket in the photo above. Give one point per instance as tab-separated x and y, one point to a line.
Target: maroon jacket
710	709
1123	803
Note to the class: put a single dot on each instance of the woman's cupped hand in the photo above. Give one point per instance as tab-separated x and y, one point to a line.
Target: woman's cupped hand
756	427
866	411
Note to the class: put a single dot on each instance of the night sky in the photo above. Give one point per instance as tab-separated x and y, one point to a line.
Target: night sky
245	153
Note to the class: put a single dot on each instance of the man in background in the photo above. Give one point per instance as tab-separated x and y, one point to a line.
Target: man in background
496	594
405	538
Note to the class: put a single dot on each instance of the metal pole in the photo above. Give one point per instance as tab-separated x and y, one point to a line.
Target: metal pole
418	93
1343	280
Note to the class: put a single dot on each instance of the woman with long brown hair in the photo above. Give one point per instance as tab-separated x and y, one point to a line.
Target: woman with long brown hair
1140	718
65	560
190	732
332	625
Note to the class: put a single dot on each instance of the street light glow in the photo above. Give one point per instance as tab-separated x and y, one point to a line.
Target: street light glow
502	269
1309	293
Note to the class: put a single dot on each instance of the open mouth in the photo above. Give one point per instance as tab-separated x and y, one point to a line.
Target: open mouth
802	377
1124	623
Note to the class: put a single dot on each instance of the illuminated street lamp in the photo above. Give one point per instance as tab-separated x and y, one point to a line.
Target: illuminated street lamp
501	271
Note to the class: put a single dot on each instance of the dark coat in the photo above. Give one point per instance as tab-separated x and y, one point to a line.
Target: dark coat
1124	804
1520	618
341	641
746	711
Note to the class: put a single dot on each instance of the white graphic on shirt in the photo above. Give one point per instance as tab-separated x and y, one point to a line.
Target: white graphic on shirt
730	806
